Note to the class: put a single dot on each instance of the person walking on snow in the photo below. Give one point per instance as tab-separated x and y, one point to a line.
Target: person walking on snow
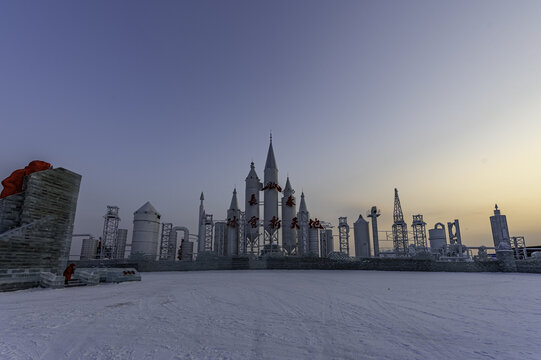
68	272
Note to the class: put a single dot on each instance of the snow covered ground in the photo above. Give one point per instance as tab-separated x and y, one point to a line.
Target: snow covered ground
279	315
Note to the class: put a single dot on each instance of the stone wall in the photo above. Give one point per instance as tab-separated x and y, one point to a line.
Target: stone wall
292	263
529	266
222	263
37	225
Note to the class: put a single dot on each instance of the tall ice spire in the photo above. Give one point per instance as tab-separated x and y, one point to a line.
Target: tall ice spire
303	218
303	207
201	233
233	224
201	207
271	190
289	228
251	206
288	189
271	161
234	203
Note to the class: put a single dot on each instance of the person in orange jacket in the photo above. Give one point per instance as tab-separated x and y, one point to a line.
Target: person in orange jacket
68	272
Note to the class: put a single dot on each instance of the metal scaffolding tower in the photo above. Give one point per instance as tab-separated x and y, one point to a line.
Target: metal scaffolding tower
343	235
110	227
209	229
252	244
400	228
164	244
270	242
326	244
518	243
243	227
419	233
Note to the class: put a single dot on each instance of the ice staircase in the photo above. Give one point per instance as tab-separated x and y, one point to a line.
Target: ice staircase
240	263
74	283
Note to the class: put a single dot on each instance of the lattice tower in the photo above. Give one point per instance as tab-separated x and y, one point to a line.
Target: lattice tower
519	245
400	228
343	235
164	244
419	232
110	227
242	233
209	229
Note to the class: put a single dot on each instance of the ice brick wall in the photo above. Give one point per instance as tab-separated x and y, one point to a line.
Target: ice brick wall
10	212
43	221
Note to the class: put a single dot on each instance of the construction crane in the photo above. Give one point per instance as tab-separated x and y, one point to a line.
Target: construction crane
400	228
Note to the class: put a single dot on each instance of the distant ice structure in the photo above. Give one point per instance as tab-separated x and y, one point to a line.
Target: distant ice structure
233	224
251	203
146	227
289	209
326	242
343	235
362	238
120	246
303	217
374	214
89	248
500	231
437	238
400	228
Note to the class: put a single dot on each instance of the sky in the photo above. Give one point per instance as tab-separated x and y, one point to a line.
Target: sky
160	100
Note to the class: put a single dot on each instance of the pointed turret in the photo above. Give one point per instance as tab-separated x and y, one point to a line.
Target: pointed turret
201	207
252	175
288	189
234	203
271	161
302	206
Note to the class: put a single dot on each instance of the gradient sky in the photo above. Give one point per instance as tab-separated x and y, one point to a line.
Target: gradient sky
160	100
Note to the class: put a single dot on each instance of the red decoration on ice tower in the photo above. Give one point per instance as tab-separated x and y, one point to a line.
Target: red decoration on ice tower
272	185
253	221
253	200
13	184
315	224
294	223
275	223
290	202
232	222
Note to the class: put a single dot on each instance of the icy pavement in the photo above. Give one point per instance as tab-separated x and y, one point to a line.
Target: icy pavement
279	315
